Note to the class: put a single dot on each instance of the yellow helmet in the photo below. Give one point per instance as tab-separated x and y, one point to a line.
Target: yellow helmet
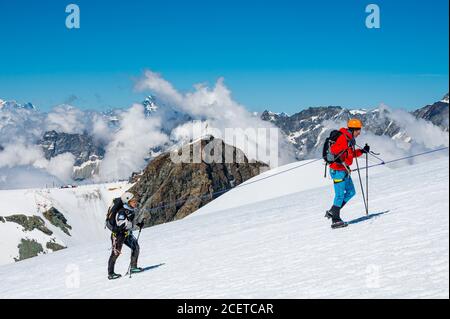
355	124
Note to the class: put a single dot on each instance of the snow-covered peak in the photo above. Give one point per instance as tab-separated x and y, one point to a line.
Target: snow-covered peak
272	116
12	105
445	99
277	114
150	104
358	112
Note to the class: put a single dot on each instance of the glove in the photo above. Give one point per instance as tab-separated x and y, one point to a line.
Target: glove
141	224
366	149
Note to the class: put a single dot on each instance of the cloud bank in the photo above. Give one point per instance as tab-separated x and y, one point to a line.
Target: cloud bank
130	145
128	138
219	112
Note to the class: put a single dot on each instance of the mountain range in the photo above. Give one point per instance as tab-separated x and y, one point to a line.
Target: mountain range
307	129
304	131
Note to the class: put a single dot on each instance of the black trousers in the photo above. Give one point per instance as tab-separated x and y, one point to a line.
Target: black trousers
117	241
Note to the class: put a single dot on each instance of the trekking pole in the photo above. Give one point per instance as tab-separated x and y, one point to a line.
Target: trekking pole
360	182
372	153
367	181
137	240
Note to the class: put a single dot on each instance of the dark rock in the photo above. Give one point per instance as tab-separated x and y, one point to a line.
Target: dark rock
2	219
436	113
29	222
135	176
82	146
56	218
28	248
54	246
169	191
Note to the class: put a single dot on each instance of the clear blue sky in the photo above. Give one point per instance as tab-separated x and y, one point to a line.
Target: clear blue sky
282	55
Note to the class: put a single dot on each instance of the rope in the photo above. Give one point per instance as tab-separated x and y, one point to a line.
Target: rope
224	190
404	158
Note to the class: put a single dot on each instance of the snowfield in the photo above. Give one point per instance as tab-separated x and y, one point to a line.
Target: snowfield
277	248
84	208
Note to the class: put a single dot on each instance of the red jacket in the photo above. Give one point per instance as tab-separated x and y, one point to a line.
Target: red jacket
342	145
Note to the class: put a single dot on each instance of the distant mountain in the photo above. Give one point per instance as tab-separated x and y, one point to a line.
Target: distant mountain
437	113
150	105
19	120
82	146
169	116
14	105
307	129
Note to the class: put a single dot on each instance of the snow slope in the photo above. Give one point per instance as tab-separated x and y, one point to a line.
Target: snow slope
280	181
276	248
84	208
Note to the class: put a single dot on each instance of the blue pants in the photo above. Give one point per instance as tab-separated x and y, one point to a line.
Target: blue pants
344	189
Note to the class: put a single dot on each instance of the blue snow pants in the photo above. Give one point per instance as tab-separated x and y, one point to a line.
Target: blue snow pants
344	189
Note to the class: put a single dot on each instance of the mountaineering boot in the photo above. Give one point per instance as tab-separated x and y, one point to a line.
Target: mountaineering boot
134	270
329	213
336	218
114	276
339	224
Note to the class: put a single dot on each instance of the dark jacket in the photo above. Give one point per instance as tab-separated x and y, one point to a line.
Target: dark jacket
124	219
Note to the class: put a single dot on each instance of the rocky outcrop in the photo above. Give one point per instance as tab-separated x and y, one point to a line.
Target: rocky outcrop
169	191
436	113
29	223
52	245
82	146
28	248
56	218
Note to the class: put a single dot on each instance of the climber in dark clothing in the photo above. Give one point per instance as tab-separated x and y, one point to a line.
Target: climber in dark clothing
122	234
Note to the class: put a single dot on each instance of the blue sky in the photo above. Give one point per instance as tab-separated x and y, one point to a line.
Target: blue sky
282	55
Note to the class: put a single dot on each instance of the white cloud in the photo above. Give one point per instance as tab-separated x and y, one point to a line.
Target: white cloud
424	137
421	131
101	131
130	145
18	154
216	107
67	119
30	158
61	166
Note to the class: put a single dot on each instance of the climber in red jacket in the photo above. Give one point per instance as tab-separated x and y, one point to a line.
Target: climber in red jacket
344	148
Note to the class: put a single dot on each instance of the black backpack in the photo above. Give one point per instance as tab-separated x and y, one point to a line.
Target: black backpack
110	222
327	155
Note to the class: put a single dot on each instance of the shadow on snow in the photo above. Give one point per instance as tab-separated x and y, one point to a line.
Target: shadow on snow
152	267
364	218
